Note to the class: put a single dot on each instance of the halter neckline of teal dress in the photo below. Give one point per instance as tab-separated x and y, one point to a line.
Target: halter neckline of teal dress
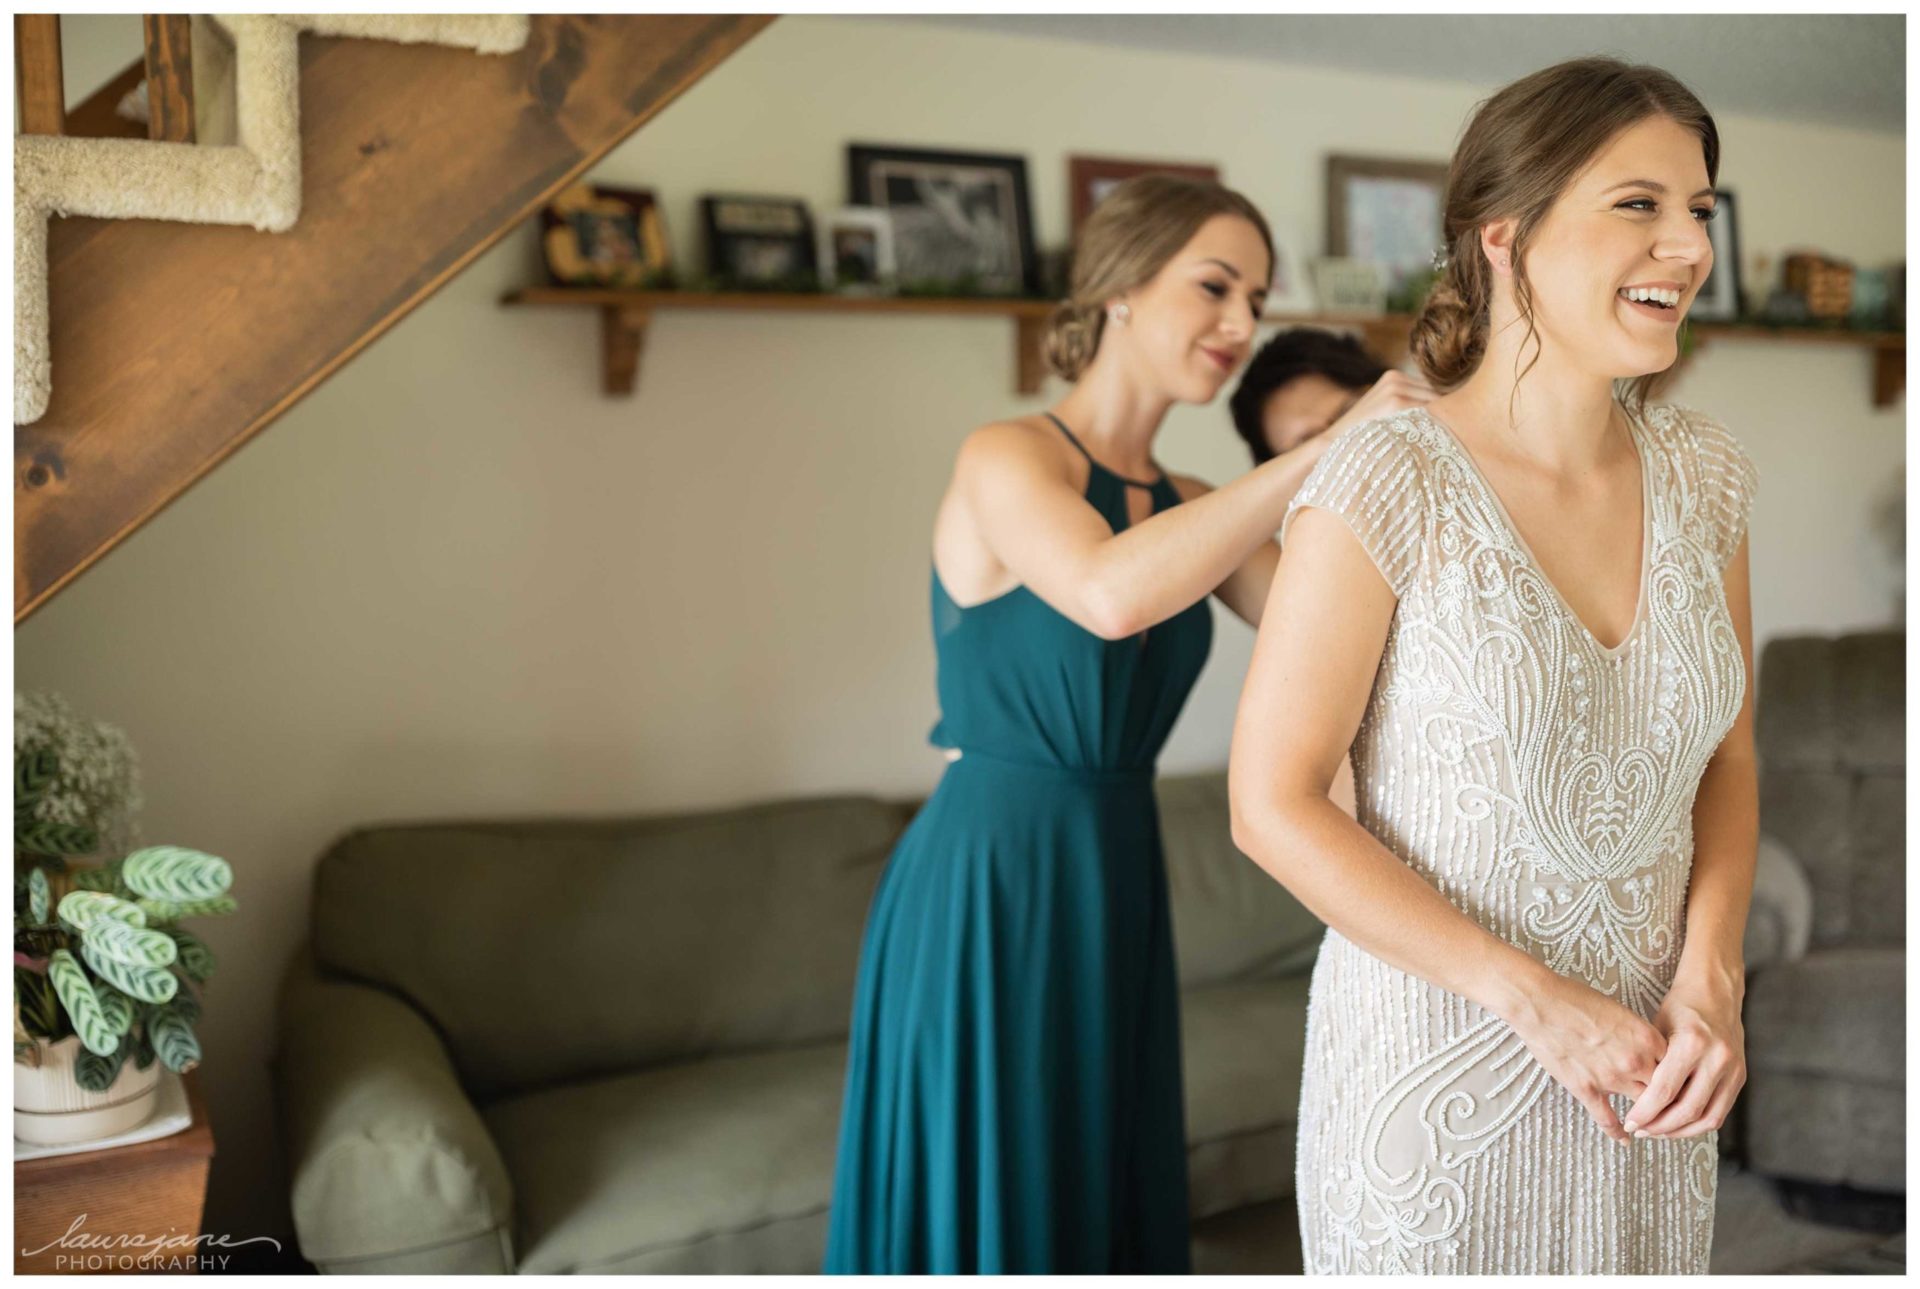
1013	1096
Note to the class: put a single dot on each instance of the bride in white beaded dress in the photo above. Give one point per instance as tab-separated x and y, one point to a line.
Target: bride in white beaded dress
1525	607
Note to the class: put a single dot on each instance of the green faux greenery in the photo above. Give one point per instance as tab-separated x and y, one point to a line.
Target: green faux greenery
96	951
961	288
1411	292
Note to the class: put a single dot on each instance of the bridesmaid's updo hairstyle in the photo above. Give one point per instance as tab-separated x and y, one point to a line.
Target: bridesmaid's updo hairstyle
1137	227
1521	149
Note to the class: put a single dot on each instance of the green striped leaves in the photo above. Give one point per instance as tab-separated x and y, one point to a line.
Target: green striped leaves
53	839
104	878
116	1006
83	1006
34	771
96	1073
176	874
148	984
174	1040
135	946
196	959
39	1003
174	910
81	909
39	896
187	1005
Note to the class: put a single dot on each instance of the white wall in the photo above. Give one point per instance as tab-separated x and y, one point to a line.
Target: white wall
457	581
95	48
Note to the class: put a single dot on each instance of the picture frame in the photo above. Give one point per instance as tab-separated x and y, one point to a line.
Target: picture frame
856	252
1091	178
596	235
1387	210
757	243
1291	288
1719	297
1350	286
962	221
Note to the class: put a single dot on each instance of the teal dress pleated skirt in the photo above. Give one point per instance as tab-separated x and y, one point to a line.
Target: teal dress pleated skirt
1013	1097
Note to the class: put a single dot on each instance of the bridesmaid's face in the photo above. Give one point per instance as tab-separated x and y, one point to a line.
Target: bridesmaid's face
1632	223
1192	325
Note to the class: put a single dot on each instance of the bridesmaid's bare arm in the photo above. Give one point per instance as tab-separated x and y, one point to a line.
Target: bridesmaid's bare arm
1245	592
1245	589
1726	826
1017	489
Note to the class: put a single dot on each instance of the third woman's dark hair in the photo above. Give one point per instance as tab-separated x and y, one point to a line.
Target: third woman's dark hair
1301	351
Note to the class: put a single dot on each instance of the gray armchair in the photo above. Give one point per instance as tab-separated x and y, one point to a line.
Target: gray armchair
1826	1031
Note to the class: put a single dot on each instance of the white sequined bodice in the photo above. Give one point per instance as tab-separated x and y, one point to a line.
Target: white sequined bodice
1545	785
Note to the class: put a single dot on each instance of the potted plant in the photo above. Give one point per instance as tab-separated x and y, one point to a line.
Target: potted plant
105	981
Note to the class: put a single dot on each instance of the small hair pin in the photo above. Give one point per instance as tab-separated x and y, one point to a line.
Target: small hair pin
1441	258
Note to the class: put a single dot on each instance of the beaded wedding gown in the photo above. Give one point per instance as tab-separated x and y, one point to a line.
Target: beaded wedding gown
1544	784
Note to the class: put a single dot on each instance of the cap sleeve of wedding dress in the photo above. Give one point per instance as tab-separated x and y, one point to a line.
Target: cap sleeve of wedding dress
1724	483
1372	478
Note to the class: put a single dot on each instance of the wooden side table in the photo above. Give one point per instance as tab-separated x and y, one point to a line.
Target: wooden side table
127	1199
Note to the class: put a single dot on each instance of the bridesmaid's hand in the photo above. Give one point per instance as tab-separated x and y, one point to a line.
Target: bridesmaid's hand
1592	1046
1704	1068
1394	392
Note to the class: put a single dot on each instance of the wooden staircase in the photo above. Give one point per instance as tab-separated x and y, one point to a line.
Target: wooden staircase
173	344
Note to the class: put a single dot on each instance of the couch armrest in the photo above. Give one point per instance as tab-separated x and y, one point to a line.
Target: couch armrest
1780	919
387	1156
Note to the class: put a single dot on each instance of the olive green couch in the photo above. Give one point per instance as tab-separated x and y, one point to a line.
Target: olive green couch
617	1046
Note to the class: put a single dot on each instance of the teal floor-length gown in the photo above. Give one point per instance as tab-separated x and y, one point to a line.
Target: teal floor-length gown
1013	1097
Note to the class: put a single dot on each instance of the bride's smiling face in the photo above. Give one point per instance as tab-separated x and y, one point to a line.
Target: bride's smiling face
1622	252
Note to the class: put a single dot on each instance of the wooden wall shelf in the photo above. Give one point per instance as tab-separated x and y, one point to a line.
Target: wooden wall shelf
624	316
1889	349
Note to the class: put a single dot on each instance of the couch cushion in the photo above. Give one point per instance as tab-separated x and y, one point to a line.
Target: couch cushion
683	935
1817	1129
1832	742
1878	909
1808	810
1834	703
726	1165
1870	699
1780	916
1230	920
1245	1047
1836	1013
1794	720
717	1166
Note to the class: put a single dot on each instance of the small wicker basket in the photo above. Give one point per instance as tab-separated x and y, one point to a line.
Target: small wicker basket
1826	285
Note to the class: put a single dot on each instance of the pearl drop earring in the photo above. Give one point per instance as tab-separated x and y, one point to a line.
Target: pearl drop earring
1120	313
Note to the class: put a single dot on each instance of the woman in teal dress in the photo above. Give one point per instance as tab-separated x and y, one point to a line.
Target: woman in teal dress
1013	1097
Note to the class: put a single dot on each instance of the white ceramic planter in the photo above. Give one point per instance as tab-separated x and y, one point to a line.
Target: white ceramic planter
50	1109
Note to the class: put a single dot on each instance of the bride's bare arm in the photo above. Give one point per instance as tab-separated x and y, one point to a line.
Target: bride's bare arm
1726	826
1308	685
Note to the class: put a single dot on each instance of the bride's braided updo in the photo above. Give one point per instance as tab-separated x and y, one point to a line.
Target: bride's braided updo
1521	149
